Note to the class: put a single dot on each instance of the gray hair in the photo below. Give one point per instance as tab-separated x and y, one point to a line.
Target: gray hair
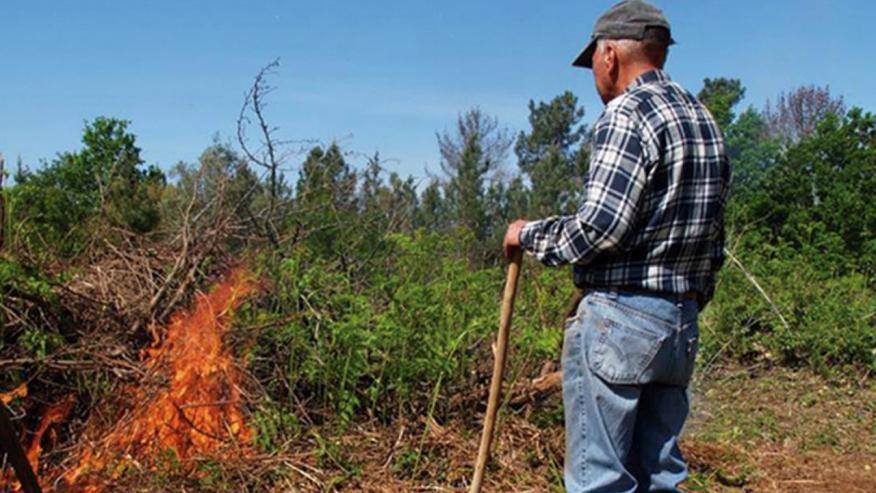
653	48
621	45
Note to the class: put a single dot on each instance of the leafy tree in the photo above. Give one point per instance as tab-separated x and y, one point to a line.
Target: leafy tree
221	179
798	210
821	189
106	178
551	156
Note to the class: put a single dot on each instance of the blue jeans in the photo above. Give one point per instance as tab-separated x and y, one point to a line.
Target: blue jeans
627	360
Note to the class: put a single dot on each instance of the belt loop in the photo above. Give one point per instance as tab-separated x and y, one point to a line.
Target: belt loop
612	293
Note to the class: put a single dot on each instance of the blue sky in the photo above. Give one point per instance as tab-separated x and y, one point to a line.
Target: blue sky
379	75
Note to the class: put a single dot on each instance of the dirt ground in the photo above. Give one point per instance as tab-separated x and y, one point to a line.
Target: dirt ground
778	430
751	430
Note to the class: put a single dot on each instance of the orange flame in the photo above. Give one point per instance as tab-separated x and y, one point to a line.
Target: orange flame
20	392
196	411
55	414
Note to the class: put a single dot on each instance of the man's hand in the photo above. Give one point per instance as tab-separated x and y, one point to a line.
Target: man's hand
512	237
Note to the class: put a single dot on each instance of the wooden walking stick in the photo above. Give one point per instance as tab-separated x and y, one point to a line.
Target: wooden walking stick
498	371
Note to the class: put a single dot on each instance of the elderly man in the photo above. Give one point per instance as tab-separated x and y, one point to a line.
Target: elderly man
646	244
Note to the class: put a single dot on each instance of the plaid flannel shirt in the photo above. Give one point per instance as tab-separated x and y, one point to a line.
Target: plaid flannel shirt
653	206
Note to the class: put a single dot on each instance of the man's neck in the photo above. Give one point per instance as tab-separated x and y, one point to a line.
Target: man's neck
631	73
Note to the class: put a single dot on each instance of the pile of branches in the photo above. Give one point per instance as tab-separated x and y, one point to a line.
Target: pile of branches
75	327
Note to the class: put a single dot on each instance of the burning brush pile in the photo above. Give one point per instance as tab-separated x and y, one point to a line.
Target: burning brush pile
112	358
186	404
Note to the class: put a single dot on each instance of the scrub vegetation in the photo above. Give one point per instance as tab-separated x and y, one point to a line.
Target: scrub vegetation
365	349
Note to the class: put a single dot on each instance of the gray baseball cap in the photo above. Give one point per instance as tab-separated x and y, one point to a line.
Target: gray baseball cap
626	20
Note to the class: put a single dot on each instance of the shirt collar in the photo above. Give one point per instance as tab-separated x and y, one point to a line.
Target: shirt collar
652	76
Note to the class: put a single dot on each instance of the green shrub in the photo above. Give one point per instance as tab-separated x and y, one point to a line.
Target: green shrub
830	319
408	336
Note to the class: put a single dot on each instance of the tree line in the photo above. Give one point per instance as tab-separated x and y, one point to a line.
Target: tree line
381	288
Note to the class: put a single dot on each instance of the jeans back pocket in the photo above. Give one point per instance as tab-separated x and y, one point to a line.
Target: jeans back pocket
621	351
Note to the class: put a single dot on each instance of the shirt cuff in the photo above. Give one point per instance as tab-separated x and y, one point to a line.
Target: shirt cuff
527	234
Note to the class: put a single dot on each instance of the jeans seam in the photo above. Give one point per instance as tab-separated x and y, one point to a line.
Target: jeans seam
634	312
584	351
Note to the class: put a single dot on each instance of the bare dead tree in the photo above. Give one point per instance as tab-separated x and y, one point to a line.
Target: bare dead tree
265	153
796	114
479	128
268	152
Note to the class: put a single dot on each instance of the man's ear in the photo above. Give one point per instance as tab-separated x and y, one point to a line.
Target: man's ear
611	61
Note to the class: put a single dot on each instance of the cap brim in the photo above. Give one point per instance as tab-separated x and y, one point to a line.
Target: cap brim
585	58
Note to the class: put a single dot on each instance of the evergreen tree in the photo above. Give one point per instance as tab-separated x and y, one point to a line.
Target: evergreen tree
751	152
386	207
401	207
720	96
432	213
468	158
21	171
371	186
551	155
325	201
326	180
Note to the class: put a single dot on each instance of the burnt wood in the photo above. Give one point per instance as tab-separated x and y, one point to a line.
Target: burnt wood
9	444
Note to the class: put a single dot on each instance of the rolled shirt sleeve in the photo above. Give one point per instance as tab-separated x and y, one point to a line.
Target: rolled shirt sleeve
615	183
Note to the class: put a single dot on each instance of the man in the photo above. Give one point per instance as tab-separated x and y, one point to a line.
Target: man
646	244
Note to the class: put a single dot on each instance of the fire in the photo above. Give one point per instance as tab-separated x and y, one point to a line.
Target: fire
196	410
20	392
55	414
